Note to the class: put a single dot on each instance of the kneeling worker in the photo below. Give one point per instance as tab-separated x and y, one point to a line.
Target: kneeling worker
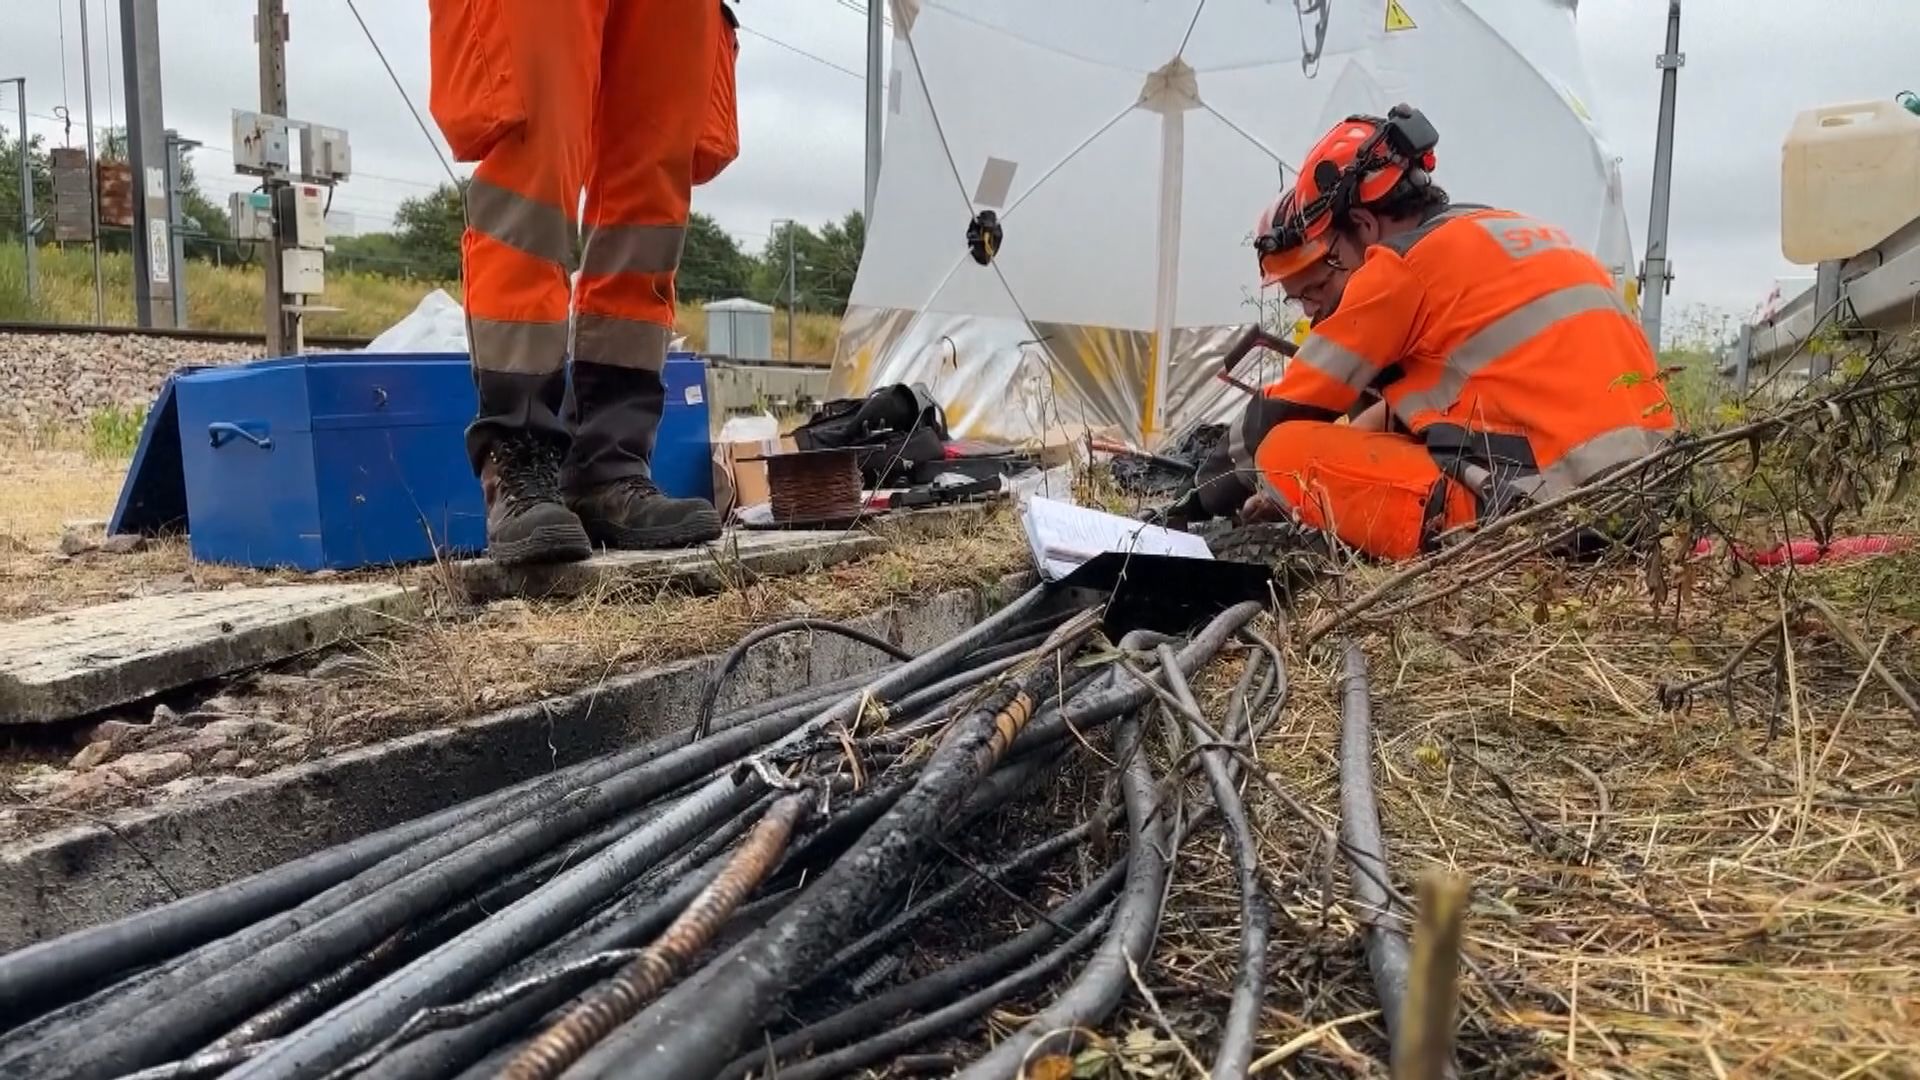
1507	364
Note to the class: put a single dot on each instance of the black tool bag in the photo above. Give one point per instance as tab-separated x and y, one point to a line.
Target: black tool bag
895	428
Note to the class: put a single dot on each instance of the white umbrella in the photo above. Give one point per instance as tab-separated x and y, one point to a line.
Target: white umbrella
1127	147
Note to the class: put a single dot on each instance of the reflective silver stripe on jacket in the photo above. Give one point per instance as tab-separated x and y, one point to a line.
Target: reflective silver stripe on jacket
633	249
1337	362
617	342
519	222
519	348
1501	337
1603	453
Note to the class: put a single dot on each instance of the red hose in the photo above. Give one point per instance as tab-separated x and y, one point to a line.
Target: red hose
1807	552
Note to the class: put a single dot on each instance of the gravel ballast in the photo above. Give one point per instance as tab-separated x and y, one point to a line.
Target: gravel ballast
63	378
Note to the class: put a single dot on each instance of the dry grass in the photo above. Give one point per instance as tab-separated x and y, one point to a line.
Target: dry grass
49	482
1655	893
459	664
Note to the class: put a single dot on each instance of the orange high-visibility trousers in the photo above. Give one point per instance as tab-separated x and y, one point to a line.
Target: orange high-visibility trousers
622	104
1378	491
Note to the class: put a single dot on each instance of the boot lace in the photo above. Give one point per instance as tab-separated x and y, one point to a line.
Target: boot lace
632	489
529	472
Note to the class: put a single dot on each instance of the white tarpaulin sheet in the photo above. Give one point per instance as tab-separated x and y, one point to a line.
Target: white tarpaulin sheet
1128	147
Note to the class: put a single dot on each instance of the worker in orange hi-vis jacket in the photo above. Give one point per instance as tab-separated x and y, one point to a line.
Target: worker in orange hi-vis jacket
623	106
1506	365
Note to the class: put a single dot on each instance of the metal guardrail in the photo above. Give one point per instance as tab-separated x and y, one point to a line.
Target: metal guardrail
1879	289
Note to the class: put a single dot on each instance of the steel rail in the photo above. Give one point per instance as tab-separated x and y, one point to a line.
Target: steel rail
236	337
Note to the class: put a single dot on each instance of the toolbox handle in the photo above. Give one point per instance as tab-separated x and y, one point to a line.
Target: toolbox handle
222	432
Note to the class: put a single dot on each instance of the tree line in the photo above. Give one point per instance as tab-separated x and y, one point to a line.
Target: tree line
713	265
424	241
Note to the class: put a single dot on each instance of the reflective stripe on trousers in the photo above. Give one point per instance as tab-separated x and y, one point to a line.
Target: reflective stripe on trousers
545	232
620	342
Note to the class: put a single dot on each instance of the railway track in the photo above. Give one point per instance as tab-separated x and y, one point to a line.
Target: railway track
232	337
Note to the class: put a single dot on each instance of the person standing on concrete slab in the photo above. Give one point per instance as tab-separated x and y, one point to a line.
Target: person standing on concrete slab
629	103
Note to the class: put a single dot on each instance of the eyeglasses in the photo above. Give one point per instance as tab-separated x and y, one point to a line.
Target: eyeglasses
1323	273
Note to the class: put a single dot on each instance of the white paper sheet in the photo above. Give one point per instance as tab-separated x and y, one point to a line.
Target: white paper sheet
1063	536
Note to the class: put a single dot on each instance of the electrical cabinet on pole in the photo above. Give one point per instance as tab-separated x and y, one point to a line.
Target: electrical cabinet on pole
270	31
153	281
1656	274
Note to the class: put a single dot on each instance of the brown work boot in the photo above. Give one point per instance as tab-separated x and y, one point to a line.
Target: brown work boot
633	514
526	521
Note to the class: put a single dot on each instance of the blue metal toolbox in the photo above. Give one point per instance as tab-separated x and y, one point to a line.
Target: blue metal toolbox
353	460
682	461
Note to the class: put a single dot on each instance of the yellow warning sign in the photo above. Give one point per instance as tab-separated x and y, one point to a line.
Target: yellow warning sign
1397	17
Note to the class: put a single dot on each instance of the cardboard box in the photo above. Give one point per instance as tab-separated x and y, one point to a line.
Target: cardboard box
747	480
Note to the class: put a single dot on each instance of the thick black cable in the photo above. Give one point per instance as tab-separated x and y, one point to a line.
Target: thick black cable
696	1029
454	968
43	976
1087	711
244	984
1097	990
918	1030
323	993
50	973
939	986
738	653
1242	1026
968	883
627	923
1365	848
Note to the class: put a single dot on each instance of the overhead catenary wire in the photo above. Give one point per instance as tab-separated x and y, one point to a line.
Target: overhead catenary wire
798	51
421	123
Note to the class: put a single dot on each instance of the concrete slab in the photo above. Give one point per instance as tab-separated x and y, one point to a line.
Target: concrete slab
70	664
90	873
733	559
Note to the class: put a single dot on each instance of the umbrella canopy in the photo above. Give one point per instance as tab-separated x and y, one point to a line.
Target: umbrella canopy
1127	147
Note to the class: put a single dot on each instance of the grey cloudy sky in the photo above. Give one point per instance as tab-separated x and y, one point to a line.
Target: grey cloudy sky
1751	64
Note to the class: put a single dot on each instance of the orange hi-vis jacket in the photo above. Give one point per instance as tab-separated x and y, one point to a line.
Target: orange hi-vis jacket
1499	343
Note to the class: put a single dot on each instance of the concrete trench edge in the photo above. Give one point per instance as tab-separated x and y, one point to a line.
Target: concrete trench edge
82	875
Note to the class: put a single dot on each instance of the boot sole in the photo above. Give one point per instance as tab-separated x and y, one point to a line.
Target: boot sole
622	538
545	544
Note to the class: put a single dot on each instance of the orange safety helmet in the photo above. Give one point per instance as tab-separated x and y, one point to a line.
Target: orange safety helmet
1364	160
1281	242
